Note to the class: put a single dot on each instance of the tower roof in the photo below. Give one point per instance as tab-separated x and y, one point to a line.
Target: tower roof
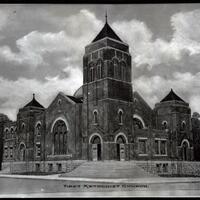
33	103
106	31
172	96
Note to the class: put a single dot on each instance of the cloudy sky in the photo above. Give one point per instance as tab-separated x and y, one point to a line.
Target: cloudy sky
41	49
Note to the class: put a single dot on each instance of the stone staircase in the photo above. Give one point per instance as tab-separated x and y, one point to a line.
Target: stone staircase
109	169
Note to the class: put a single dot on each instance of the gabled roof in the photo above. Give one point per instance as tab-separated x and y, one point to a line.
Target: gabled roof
172	96
33	103
106	31
141	99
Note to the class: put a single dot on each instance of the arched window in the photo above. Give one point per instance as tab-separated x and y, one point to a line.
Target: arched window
183	125
137	124
12	132
38	129
23	126
135	100
92	74
185	147
115	66
6	133
164	125
122	70
120	113
99	69
95	116
60	137
59	102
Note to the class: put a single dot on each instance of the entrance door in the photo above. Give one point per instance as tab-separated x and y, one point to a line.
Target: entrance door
94	152
120	148
96	148
22	152
122	152
184	149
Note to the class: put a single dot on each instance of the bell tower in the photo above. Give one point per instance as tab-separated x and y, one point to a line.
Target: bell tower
107	86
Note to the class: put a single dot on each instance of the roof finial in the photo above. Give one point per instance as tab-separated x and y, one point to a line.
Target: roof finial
106	16
33	95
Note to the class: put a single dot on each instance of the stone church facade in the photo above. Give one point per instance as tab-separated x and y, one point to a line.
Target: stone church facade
103	120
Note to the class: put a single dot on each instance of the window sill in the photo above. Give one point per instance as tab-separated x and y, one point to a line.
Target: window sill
143	154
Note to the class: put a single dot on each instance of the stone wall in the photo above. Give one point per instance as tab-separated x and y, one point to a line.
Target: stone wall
41	166
174	168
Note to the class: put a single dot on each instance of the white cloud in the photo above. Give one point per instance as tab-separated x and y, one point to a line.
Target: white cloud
145	50
155	88
66	47
76	32
17	93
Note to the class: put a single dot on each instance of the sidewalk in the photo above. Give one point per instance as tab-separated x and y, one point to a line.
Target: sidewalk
149	180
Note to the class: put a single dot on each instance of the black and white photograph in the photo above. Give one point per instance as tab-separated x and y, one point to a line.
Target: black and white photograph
99	100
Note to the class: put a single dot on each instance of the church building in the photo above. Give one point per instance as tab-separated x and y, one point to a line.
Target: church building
103	120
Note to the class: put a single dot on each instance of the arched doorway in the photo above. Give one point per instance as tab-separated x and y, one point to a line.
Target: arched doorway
120	145
185	147
22	152
60	137
96	148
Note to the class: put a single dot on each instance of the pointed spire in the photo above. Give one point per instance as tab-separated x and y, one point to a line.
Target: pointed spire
106	17
171	97
106	31
33	103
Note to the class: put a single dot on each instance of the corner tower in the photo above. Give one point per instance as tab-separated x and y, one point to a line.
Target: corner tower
107	93
173	115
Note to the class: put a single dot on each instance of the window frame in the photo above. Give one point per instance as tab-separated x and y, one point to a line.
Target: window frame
142	139
160	140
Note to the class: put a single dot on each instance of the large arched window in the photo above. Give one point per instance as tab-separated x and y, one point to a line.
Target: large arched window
60	137
137	123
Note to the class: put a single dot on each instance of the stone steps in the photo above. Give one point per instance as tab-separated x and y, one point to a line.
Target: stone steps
108	169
